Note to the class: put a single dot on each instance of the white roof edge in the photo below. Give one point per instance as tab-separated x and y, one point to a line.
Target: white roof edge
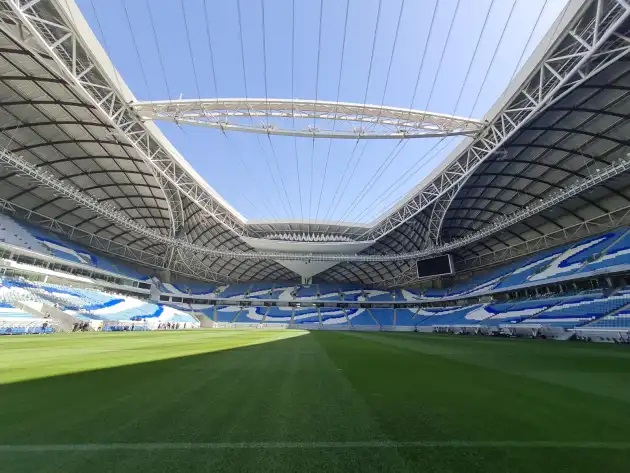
74	17
330	223
556	30
263	100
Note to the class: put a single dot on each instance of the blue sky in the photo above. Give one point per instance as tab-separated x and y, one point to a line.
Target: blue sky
284	178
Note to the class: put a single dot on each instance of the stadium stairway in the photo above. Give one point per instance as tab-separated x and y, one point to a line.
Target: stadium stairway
62	320
204	320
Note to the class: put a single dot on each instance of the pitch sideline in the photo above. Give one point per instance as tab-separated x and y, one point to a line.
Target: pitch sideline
95	447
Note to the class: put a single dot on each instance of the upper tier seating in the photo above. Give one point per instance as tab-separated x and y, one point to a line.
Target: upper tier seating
410	295
265	290
307	292
615	257
383	296
75	253
572	259
483	283
578	310
12	233
528	267
189	289
434	293
233	291
330	292
24	235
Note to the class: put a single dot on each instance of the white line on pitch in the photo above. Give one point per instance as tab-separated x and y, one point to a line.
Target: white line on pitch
95	447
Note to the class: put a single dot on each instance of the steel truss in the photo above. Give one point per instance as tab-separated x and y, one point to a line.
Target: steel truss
439	210
601	223
580	230
57	37
105	245
174	259
370	121
594	40
197	252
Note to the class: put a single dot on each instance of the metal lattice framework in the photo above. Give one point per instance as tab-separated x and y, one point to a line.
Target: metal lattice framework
352	120
592	42
178	264
600	223
185	248
58	39
593	39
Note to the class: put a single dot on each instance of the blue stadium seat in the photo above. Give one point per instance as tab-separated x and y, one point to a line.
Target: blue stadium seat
406	317
614	258
579	310
281	315
384	316
572	259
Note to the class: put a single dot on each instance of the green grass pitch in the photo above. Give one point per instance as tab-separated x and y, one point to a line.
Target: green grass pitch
290	401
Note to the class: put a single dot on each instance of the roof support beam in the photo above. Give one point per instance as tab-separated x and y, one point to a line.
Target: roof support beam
105	245
608	221
114	215
588	48
374	121
59	38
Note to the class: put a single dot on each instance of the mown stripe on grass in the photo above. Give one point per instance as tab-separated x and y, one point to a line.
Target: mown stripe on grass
95	447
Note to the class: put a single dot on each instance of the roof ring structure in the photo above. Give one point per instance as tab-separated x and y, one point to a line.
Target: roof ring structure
352	121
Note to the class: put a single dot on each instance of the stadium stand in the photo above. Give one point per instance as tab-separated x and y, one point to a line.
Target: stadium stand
449	316
12	233
188	289
614	258
405	317
384	317
600	254
93	305
224	314
15	321
363	318
514	312
614	320
530	266
575	311
37	240
572	259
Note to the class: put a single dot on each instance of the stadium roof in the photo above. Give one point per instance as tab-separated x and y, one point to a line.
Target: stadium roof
69	132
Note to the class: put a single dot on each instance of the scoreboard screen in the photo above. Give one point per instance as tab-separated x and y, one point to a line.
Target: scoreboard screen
436	266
